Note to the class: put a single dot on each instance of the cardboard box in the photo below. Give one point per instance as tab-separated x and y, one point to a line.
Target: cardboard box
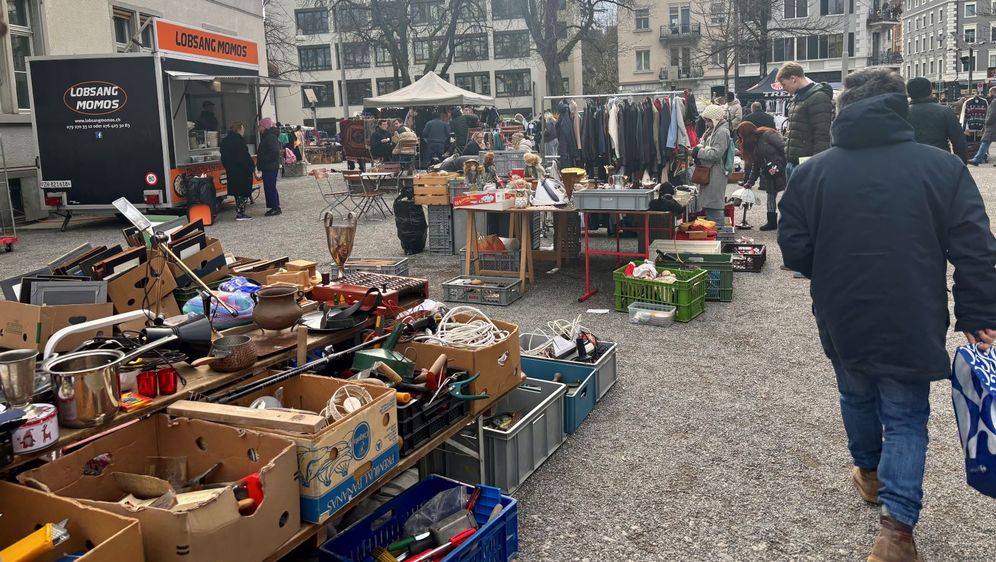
127	292
497	200
498	364
29	326
345	458
303	265
104	536
209	264
213	531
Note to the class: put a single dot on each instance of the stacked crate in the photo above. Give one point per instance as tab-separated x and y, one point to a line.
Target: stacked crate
440	229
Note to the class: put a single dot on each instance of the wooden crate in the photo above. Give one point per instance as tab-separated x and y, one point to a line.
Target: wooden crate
432	199
432	189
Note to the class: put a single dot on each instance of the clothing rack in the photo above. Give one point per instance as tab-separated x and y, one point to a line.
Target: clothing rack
617	95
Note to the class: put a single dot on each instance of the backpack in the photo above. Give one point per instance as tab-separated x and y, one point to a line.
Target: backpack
973	393
289	157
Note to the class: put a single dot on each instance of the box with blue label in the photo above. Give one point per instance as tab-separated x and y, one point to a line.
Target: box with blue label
342	459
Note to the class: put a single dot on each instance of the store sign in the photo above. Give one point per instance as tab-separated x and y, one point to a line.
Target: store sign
176	38
95	97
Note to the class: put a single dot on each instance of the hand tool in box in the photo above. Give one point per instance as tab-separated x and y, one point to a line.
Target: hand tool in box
37	543
401	365
450	544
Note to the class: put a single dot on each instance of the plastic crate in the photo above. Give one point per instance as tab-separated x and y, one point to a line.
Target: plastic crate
651	314
496	540
719	285
613	199
419	422
501	291
440	244
687	293
512	455
747	257
580	398
495	261
605	366
507	160
397	266
440	221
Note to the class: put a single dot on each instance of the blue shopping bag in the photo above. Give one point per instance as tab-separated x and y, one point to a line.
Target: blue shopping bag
973	392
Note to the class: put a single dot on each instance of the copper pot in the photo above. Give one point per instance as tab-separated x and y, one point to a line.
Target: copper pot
230	354
276	307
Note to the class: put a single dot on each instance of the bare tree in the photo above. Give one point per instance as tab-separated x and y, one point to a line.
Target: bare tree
720	36
278	29
601	61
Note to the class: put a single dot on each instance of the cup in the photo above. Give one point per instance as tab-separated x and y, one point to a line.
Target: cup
17	376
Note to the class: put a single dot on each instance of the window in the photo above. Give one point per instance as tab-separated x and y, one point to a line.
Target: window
510	83
511	44
992	60
355	55
426	12
17	13
351	18
508	9
312	22
717	13
992	33
931	42
782	49
565	85
315	58
22	46
643	60
641	20
122	29
473	11
969	9
425	49
146	38
796	9
323	94
931	18
916	45
470	47
387	85
477	82
831	7
970	34
382	57
356	90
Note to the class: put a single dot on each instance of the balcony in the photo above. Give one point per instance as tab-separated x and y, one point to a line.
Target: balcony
886	15
684	31
675	73
886	59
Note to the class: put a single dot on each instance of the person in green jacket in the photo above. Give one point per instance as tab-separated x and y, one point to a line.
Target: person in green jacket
809	116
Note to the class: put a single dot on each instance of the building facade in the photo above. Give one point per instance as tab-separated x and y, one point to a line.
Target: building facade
494	55
78	27
946	39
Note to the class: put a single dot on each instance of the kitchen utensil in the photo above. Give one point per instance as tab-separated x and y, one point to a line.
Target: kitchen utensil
17	376
40	430
276	307
229	354
340	239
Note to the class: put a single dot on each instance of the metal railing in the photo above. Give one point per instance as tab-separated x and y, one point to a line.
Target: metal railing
886	59
681	73
889	12
683	30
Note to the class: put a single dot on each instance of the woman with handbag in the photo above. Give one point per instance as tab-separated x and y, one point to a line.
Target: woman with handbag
763	150
713	163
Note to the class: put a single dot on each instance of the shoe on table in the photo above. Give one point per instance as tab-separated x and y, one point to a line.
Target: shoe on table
242	217
273	212
894	543
866	482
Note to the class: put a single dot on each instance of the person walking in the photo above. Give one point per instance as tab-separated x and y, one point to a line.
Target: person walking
734	111
873	222
763	150
933	123
759	117
268	163
437	137
238	168
712	151
988	133
809	115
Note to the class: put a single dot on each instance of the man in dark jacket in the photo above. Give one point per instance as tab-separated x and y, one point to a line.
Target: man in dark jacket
268	162
462	124
238	168
809	115
381	147
759	117
873	222
933	123
437	137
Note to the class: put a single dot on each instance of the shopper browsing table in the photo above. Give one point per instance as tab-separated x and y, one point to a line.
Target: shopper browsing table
238	168
874	222
764	153
712	152
268	162
437	138
759	117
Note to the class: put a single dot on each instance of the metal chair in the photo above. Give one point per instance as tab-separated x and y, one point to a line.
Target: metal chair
334	198
367	198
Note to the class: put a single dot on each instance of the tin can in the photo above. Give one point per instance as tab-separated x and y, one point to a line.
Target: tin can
40	431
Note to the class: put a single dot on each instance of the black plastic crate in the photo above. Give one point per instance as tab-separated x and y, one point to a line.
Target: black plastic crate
418	423
747	257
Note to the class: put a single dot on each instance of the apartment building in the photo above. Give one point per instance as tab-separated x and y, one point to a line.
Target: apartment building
932	35
76	27
494	56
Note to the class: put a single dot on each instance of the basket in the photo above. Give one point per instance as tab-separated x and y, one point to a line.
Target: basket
687	294
495	261
747	257
719	285
501	291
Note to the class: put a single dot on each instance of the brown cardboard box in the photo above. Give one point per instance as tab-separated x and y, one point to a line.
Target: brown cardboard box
127	292
104	536
211	532
209	264
365	443
497	364
28	326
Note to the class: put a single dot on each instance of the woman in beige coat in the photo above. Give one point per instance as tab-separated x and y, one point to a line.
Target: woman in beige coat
712	151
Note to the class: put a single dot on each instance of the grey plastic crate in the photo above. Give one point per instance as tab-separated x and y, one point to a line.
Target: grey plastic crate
606	373
512	455
440	220
457	188
506	160
613	199
495	261
441	244
501	291
399	266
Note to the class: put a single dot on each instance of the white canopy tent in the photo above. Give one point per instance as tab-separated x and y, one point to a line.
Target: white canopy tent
428	90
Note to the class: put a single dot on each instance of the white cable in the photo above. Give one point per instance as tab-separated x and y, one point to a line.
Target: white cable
475	332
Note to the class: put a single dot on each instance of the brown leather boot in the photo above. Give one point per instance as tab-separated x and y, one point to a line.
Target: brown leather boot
866	482
894	543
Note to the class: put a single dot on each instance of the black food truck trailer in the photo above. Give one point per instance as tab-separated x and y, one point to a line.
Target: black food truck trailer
143	125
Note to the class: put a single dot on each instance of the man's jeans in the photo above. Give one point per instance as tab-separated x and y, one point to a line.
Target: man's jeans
983	152
886	424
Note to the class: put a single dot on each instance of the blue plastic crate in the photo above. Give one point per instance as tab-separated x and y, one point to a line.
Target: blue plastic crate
605	367
578	405
494	541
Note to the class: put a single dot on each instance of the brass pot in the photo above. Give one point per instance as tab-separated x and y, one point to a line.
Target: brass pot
276	307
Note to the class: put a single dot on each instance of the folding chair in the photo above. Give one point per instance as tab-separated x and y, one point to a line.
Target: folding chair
375	197
334	198
358	191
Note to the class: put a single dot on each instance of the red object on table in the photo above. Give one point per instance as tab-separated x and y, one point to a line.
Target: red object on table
254	488
146	384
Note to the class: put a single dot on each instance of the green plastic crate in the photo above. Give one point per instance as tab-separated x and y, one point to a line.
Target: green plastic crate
719	284
687	294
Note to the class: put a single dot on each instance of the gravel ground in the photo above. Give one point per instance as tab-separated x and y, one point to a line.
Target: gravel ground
721	441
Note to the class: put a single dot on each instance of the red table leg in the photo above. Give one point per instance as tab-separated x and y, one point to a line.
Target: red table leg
588	290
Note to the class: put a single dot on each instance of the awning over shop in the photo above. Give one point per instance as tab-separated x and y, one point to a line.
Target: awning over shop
237	79
428	90
768	86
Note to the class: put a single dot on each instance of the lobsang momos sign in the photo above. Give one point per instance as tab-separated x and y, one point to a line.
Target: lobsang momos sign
176	38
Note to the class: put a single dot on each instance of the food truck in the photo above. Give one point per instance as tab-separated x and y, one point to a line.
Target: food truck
143	125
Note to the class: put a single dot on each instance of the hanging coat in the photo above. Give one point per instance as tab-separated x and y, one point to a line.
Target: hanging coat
665	126
577	124
656	107
613	127
566	139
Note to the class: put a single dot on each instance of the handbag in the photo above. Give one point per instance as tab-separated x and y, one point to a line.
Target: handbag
973	393
701	175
